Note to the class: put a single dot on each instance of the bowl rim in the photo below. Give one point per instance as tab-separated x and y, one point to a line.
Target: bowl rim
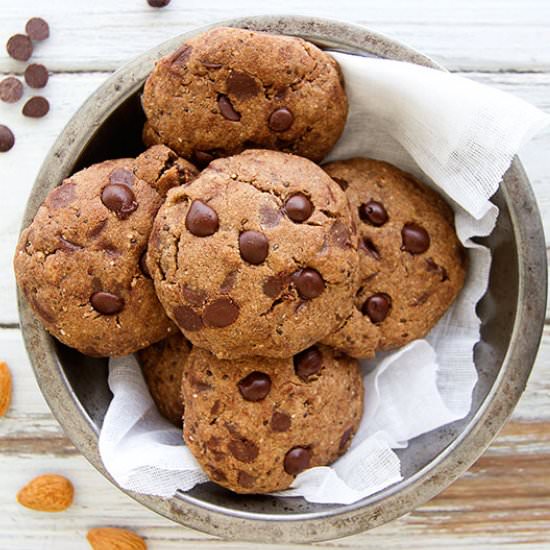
393	501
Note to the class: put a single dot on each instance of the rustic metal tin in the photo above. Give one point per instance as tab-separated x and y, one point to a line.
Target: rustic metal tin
512	312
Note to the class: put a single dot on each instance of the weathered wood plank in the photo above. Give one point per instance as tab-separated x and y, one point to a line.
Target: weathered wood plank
18	168
468	35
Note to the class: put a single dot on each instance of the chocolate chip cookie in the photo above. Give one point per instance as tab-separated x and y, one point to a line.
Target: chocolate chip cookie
411	263
256	256
255	423
80	262
162	364
231	89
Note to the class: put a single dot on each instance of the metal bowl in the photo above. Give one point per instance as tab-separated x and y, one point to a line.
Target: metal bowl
108	125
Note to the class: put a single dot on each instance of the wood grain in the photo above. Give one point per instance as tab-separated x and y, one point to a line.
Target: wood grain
504	499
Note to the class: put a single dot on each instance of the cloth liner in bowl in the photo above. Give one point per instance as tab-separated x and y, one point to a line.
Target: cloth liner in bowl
458	137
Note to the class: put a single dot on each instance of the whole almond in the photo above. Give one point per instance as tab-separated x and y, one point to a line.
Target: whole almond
47	493
112	538
5	388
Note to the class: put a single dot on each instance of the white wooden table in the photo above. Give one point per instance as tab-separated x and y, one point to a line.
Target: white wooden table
504	499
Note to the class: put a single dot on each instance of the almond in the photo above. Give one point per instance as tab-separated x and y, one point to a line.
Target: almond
5	388
112	538
47	493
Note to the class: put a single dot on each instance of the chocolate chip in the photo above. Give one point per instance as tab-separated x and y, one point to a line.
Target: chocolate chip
255	386
274	285
36	107
216	408
7	139
210	65
201	220
253	246
143	264
194	296
180	56
97	229
374	213
199	385
19	47
120	199
432	267
281	119
187	319
280	422
37	28
346	436
243	449
377	307
297	460
341	182
227	110
68	246
269	217
221	313
36	75
298	208
202	158
229	282
215	473
122	176
308	363
245	480
367	246
340	235
415	238
11	89
241	85
62	196
309	283
106	303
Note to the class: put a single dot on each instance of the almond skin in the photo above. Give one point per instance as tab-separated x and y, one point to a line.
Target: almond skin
47	493
5	388
112	538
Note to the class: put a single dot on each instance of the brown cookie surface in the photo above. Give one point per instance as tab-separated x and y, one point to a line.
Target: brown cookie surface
78	263
255	423
256	256
162	366
230	89
411	263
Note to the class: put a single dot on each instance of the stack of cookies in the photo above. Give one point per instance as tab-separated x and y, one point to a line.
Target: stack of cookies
248	279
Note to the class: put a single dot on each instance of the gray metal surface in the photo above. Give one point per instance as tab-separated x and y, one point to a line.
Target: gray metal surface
512	312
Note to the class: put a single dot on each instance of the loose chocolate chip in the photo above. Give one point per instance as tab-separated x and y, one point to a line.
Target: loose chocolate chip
253	246
374	213
281	119
36	107
106	303
432	267
19	47
307	363
11	89
201	220
187	319
309	283
202	158
122	176
227	110
243	449
143	264
298	208
415	238
367	246
344	439
280	421
221	313
341	182
7	139
245	480
297	460
255	386
37	28
377	307
120	199
36	75
241	86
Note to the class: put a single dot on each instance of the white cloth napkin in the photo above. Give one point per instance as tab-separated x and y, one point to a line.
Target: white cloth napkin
454	134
